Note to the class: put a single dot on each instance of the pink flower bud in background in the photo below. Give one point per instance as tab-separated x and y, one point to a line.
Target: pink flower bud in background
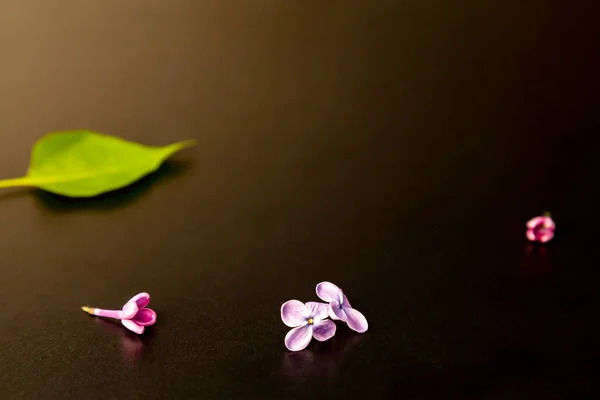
540	229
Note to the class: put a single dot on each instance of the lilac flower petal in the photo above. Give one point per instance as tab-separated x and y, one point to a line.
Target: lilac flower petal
549	223
336	312
532	223
141	299
298	338
329	292
345	302
132	326
324	330
145	317
294	313
332	314
546	237
129	310
355	320
317	311
530	235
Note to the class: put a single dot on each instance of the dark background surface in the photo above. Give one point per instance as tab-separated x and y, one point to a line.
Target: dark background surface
394	148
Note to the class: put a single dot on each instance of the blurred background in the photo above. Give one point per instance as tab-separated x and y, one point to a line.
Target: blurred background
396	148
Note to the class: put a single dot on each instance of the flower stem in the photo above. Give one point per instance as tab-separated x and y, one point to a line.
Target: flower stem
117	314
88	310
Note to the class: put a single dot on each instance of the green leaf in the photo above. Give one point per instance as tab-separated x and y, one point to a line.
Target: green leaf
86	164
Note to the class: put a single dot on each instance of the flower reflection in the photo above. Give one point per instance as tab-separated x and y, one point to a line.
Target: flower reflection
131	345
325	359
536	259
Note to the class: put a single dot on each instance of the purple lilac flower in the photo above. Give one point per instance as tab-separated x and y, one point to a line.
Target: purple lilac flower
340	308
135	316
308	320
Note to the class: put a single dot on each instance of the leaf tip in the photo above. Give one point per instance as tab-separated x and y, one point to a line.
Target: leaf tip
175	147
188	143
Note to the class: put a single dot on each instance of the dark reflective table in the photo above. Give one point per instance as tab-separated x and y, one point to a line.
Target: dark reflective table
395	148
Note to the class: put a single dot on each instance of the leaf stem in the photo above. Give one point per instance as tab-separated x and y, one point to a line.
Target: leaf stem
14	182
